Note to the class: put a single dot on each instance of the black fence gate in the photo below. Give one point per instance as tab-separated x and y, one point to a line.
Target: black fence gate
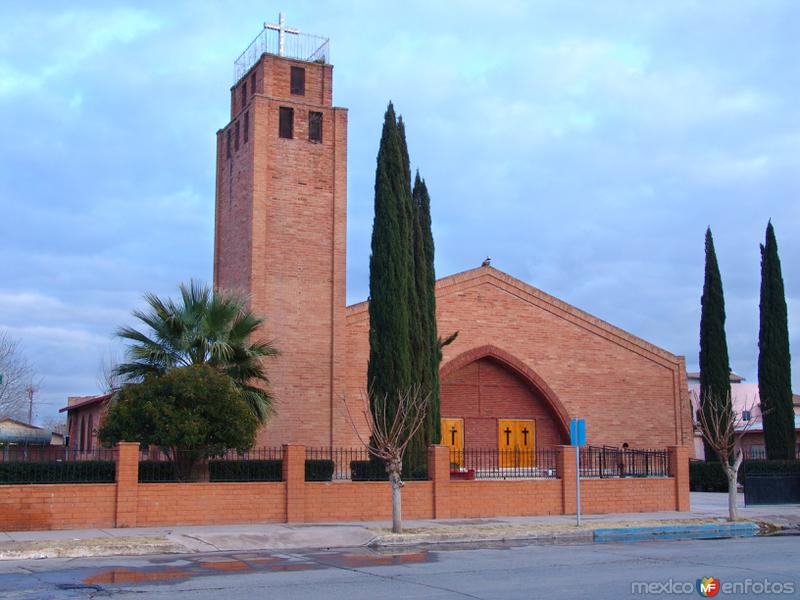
771	488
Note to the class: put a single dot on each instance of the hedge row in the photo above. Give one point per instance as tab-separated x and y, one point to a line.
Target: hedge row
154	471
79	471
237	470
707	477
368	470
319	470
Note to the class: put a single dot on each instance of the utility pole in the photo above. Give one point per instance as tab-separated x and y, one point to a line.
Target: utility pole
31	390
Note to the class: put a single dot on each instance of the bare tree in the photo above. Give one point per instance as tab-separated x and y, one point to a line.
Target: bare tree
722	428
56	424
392	424
108	380
17	377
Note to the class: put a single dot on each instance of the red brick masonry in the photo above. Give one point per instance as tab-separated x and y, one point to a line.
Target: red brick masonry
128	503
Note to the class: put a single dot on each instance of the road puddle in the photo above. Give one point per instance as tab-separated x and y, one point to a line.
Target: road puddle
358	560
161	571
126	575
226	565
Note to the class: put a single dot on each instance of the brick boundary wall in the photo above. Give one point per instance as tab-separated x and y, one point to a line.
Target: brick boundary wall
127	503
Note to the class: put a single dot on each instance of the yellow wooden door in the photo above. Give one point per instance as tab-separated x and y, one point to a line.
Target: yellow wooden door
516	441
506	441
453	436
526	443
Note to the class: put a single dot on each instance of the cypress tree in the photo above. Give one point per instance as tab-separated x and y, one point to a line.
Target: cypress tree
401	132
390	367
425	340
715	370
774	360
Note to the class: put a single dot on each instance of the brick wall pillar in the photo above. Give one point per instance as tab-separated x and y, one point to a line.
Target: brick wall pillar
439	474
679	469
566	473
294	476
127	479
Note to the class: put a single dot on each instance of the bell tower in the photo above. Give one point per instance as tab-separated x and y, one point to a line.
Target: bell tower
281	223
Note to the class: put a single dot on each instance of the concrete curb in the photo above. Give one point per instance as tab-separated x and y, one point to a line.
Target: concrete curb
296	537
81	548
423	539
598	535
671	532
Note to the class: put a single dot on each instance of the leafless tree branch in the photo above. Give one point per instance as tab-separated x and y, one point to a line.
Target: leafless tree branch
17	378
723	428
393	422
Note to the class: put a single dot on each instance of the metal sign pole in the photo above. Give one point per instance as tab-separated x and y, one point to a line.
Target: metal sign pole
577	438
578	485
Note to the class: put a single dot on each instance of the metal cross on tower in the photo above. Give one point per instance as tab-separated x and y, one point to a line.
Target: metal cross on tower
282	31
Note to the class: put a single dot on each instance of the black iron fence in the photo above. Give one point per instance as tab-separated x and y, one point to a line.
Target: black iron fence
56	464
607	461
493	463
754	453
256	464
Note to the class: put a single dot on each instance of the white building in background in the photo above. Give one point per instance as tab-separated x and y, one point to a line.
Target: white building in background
747	408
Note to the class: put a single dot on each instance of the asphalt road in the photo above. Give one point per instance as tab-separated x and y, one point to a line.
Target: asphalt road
595	571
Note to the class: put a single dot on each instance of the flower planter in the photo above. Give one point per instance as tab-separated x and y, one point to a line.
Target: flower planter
468	475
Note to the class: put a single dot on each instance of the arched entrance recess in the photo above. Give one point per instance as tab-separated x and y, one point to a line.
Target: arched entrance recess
486	384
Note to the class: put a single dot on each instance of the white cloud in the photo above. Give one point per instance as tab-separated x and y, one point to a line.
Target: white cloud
66	41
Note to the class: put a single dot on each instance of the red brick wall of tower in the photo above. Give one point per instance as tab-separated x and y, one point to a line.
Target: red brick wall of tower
280	237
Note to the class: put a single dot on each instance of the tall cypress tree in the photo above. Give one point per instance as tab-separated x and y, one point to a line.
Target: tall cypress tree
715	370
774	360
390	367
425	340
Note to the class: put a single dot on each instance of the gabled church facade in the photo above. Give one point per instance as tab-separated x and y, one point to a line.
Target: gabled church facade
524	362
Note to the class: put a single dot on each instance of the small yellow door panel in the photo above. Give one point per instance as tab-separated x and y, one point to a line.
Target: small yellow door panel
516	440
526	442
453	436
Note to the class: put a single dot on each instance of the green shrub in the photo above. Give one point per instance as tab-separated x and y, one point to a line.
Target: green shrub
193	407
154	471
707	477
420	473
319	470
245	470
81	471
368	470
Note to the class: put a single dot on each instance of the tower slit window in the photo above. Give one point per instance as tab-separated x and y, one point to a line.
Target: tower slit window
298	83
286	122
244	94
236	136
246	125
253	84
315	127
228	143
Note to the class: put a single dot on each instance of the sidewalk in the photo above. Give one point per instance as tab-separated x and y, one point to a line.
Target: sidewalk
707	509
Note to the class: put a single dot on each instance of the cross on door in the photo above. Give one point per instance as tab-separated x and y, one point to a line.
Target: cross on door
525	433
282	30
453	432
507	431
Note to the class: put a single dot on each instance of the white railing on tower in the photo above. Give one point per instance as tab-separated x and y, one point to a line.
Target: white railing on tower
282	41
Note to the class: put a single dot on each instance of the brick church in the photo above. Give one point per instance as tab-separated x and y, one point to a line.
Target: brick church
524	362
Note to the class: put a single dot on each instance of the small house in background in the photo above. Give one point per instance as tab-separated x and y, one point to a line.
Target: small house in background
84	414
17	433
747	409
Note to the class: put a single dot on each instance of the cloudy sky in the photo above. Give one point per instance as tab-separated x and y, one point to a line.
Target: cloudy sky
584	145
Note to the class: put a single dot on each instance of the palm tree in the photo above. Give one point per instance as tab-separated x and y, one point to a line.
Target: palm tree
205	327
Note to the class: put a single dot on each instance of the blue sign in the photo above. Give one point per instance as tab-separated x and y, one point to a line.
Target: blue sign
577	432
